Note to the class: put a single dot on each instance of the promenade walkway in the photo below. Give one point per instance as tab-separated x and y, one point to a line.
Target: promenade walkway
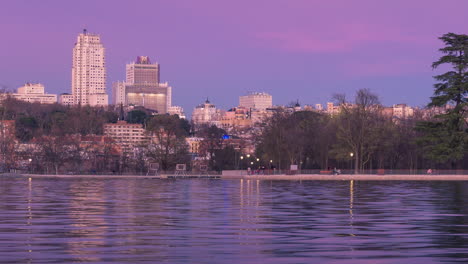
297	177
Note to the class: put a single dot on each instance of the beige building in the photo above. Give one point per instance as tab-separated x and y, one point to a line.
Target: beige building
34	93
142	71
258	101
66	99
89	71
127	136
118	93
236	118
332	109
402	111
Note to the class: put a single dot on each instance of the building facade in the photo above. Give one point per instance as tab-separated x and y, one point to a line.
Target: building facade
127	136
258	101
34	93
206	113
142	87
177	110
89	71
142	71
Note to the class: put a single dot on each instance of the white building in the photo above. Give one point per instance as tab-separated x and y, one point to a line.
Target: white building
89	71
206	113
177	110
258	101
34	93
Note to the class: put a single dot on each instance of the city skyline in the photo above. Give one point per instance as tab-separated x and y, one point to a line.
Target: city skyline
226	50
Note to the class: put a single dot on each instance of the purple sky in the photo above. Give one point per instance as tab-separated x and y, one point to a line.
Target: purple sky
292	49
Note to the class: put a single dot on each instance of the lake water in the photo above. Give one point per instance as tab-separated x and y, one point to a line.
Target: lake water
231	221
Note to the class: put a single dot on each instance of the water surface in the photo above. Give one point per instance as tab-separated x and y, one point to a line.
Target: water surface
231	221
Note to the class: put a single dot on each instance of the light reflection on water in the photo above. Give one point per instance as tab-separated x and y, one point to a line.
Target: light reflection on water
232	221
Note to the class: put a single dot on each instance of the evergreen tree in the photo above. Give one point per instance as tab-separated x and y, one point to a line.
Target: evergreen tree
446	137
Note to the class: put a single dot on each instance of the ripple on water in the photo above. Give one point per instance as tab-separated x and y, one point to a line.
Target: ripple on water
232	221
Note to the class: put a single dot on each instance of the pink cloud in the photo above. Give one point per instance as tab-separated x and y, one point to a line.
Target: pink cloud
343	39
385	67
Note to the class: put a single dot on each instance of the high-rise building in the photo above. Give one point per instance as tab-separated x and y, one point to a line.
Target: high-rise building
257	101
89	71
118	93
142	87
143	71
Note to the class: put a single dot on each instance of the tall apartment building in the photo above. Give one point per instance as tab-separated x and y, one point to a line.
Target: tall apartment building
142	87
89	71
34	93
258	101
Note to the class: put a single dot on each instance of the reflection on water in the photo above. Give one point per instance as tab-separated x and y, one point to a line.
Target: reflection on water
232	221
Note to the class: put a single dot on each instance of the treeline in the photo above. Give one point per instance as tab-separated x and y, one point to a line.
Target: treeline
360	137
33	120
69	139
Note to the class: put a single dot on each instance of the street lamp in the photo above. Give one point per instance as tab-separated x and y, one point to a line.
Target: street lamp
351	154
241	159
30	160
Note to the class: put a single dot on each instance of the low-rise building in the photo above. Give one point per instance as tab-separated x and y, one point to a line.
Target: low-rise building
34	93
176	110
206	114
127	136
402	111
66	99
258	101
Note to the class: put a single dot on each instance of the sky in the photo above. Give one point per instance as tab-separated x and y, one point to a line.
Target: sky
302	50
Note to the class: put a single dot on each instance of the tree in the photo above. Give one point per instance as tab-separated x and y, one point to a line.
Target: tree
445	138
294	138
137	116
357	128
168	146
212	141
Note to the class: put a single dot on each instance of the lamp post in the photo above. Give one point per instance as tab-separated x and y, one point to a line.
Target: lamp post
351	155
241	159
30	161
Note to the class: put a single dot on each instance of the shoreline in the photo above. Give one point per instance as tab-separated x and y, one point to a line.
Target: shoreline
297	177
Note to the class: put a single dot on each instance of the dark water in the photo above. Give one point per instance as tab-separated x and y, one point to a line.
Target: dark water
232	221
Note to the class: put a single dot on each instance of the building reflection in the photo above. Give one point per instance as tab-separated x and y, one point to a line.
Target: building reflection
253	216
88	226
